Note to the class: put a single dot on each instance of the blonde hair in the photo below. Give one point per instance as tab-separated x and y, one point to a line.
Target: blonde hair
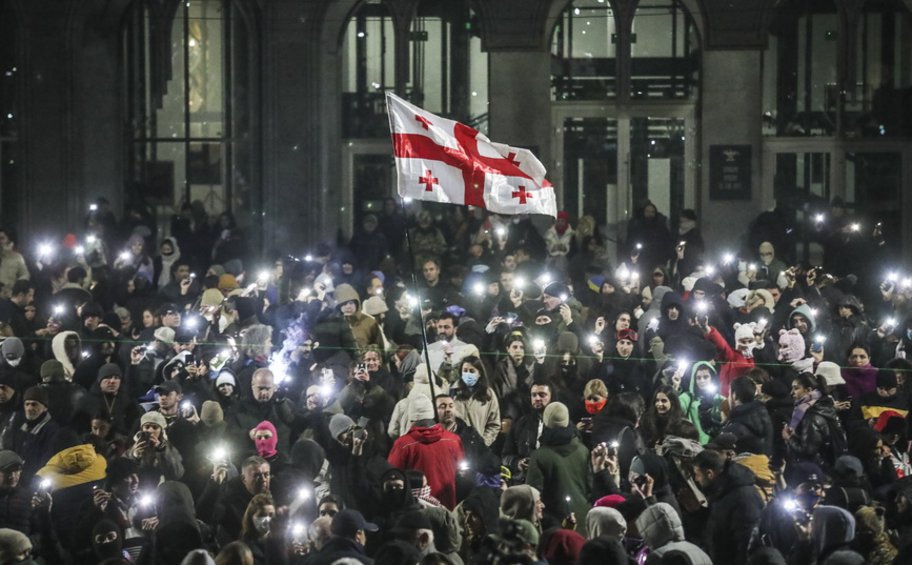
595	387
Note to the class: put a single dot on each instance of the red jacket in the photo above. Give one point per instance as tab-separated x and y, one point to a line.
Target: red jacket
735	365
434	451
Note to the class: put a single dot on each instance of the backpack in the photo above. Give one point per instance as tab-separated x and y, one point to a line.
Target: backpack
836	441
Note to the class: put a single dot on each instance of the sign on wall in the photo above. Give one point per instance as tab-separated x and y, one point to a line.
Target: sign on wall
730	172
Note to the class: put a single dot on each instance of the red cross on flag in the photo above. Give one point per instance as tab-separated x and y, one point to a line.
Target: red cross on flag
445	161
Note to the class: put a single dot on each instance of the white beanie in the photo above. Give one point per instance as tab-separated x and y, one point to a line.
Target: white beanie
226	377
830	373
744	330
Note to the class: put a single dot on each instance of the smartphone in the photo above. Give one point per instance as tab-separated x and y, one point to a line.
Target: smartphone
361	367
816	347
359	433
143	436
640	481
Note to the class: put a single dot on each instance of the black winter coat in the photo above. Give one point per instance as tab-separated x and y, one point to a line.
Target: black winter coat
753	426
735	508
811	440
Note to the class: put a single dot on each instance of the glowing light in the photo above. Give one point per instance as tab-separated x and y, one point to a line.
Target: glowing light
58	309
682	365
45	249
709	270
821	339
500	231
819	218
855	227
263	277
146	500
519	283
219	454
93	207
45	484
539	344
891	322
728	258
463	465
90	239
478	289
893	276
790	504
79	250
297	529
308	257
304	493
124	256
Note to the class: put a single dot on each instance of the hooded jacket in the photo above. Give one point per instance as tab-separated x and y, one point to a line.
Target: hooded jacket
518	502
364	328
735	508
700	408
813	433
57	347
663	533
734	362
434	451
607	522
805	311
560	469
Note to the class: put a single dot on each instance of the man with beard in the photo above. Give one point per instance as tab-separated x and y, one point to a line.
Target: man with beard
625	374
472	443
523	436
12	309
33	432
446	354
109	397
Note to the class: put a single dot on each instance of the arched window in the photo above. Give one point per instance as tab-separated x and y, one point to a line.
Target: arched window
584	52
448	70
664	51
800	83
368	69
191	79
880	103
10	74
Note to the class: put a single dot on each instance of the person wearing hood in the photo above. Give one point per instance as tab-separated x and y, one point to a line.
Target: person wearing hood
12	354
266	439
67	348
812	424
145	361
562	462
832	531
738	361
158	459
649	230
480	515
560	241
609	523
103	350
431	449
735	506
177	531
523	502
303	481
871	539
15	496
749	419
364	328
803	319
701	401
791	351
32	432
662	530
682	339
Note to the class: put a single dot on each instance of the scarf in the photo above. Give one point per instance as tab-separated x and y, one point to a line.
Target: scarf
802	405
492	481
424	493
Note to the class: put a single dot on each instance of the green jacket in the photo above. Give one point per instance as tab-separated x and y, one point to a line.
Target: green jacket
691	401
560	469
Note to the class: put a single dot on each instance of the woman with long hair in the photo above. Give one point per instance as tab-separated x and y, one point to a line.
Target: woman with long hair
814	425
664	417
257	525
475	401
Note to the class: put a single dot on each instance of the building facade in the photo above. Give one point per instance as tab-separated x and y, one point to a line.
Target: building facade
273	110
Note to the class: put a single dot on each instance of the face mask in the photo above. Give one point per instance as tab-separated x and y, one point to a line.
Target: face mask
261	523
14	362
470	379
595	406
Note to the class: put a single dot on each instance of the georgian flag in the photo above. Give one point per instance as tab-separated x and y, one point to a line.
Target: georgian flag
440	160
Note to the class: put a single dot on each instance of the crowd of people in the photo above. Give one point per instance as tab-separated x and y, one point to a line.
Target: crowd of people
532	396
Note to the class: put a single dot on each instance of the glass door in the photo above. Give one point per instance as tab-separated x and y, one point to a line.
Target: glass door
657	164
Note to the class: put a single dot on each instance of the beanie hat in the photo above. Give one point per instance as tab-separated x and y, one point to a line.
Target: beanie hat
556	415
266	447
52	370
562	546
109	370
567	341
36	394
743	331
420	408
557	289
12	347
226	377
13	543
791	346
227	283
374	306
153	418
830	372
119	469
9	458
848	465
211	297
211	413
339	423
164	335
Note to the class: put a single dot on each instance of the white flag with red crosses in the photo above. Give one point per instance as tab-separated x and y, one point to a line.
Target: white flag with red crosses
440	160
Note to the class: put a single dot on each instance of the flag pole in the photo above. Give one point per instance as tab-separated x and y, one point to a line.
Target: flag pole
424	337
